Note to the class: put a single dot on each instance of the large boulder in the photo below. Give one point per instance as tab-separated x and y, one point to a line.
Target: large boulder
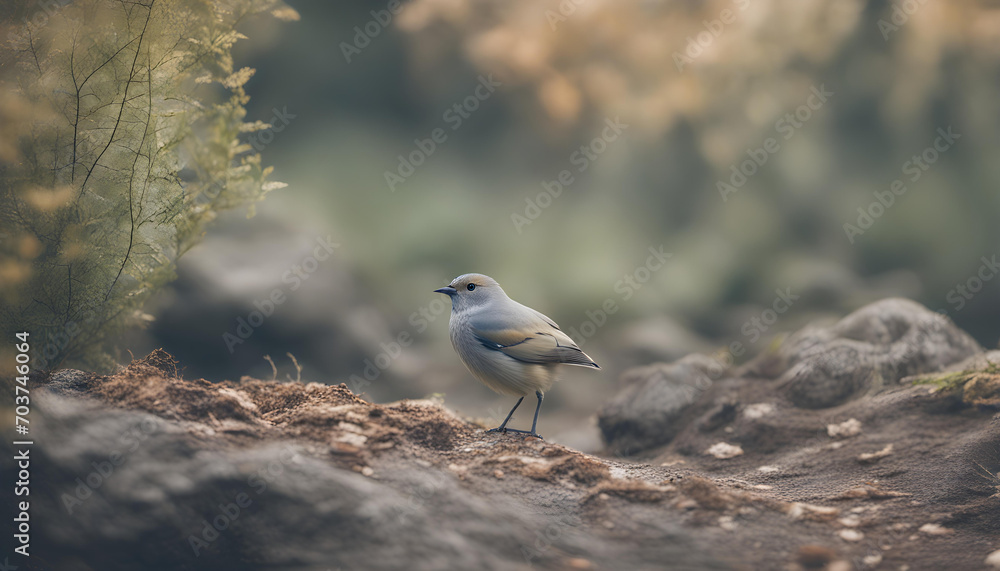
648	411
873	347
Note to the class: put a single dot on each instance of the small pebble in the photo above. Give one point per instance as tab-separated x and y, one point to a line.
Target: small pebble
868	457
851	535
723	450
935	529
872	560
850	521
758	410
846	429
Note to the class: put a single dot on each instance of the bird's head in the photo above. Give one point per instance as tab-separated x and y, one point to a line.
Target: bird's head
471	290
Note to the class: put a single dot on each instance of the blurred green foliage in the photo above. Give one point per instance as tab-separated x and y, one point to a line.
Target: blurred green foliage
121	126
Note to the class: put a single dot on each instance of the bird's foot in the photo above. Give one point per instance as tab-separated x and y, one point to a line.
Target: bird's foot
497	429
515	431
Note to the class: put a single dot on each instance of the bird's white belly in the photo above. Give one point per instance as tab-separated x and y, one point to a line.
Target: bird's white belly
496	370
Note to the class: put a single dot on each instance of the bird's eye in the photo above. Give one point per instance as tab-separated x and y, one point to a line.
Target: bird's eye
470	287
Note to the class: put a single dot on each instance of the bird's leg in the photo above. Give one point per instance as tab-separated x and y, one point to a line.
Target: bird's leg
534	422
537	407
503	425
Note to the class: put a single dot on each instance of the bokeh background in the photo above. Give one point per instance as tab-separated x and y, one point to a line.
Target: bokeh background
697	83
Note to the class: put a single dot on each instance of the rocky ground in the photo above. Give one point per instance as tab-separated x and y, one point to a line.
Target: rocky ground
872	444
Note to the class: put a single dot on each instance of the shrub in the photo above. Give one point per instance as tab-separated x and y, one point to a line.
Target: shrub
119	142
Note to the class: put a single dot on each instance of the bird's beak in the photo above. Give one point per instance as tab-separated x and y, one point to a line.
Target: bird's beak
447	290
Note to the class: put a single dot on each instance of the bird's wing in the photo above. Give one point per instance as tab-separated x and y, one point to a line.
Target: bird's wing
533	339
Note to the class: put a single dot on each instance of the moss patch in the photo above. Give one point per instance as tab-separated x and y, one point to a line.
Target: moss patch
975	387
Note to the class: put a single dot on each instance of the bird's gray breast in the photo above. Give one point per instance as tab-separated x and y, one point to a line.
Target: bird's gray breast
460	330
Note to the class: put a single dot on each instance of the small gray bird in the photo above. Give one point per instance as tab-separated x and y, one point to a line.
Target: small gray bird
509	347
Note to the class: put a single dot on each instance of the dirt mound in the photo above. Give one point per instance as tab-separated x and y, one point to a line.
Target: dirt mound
145	469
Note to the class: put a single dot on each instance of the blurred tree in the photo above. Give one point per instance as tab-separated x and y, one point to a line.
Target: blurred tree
120	126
